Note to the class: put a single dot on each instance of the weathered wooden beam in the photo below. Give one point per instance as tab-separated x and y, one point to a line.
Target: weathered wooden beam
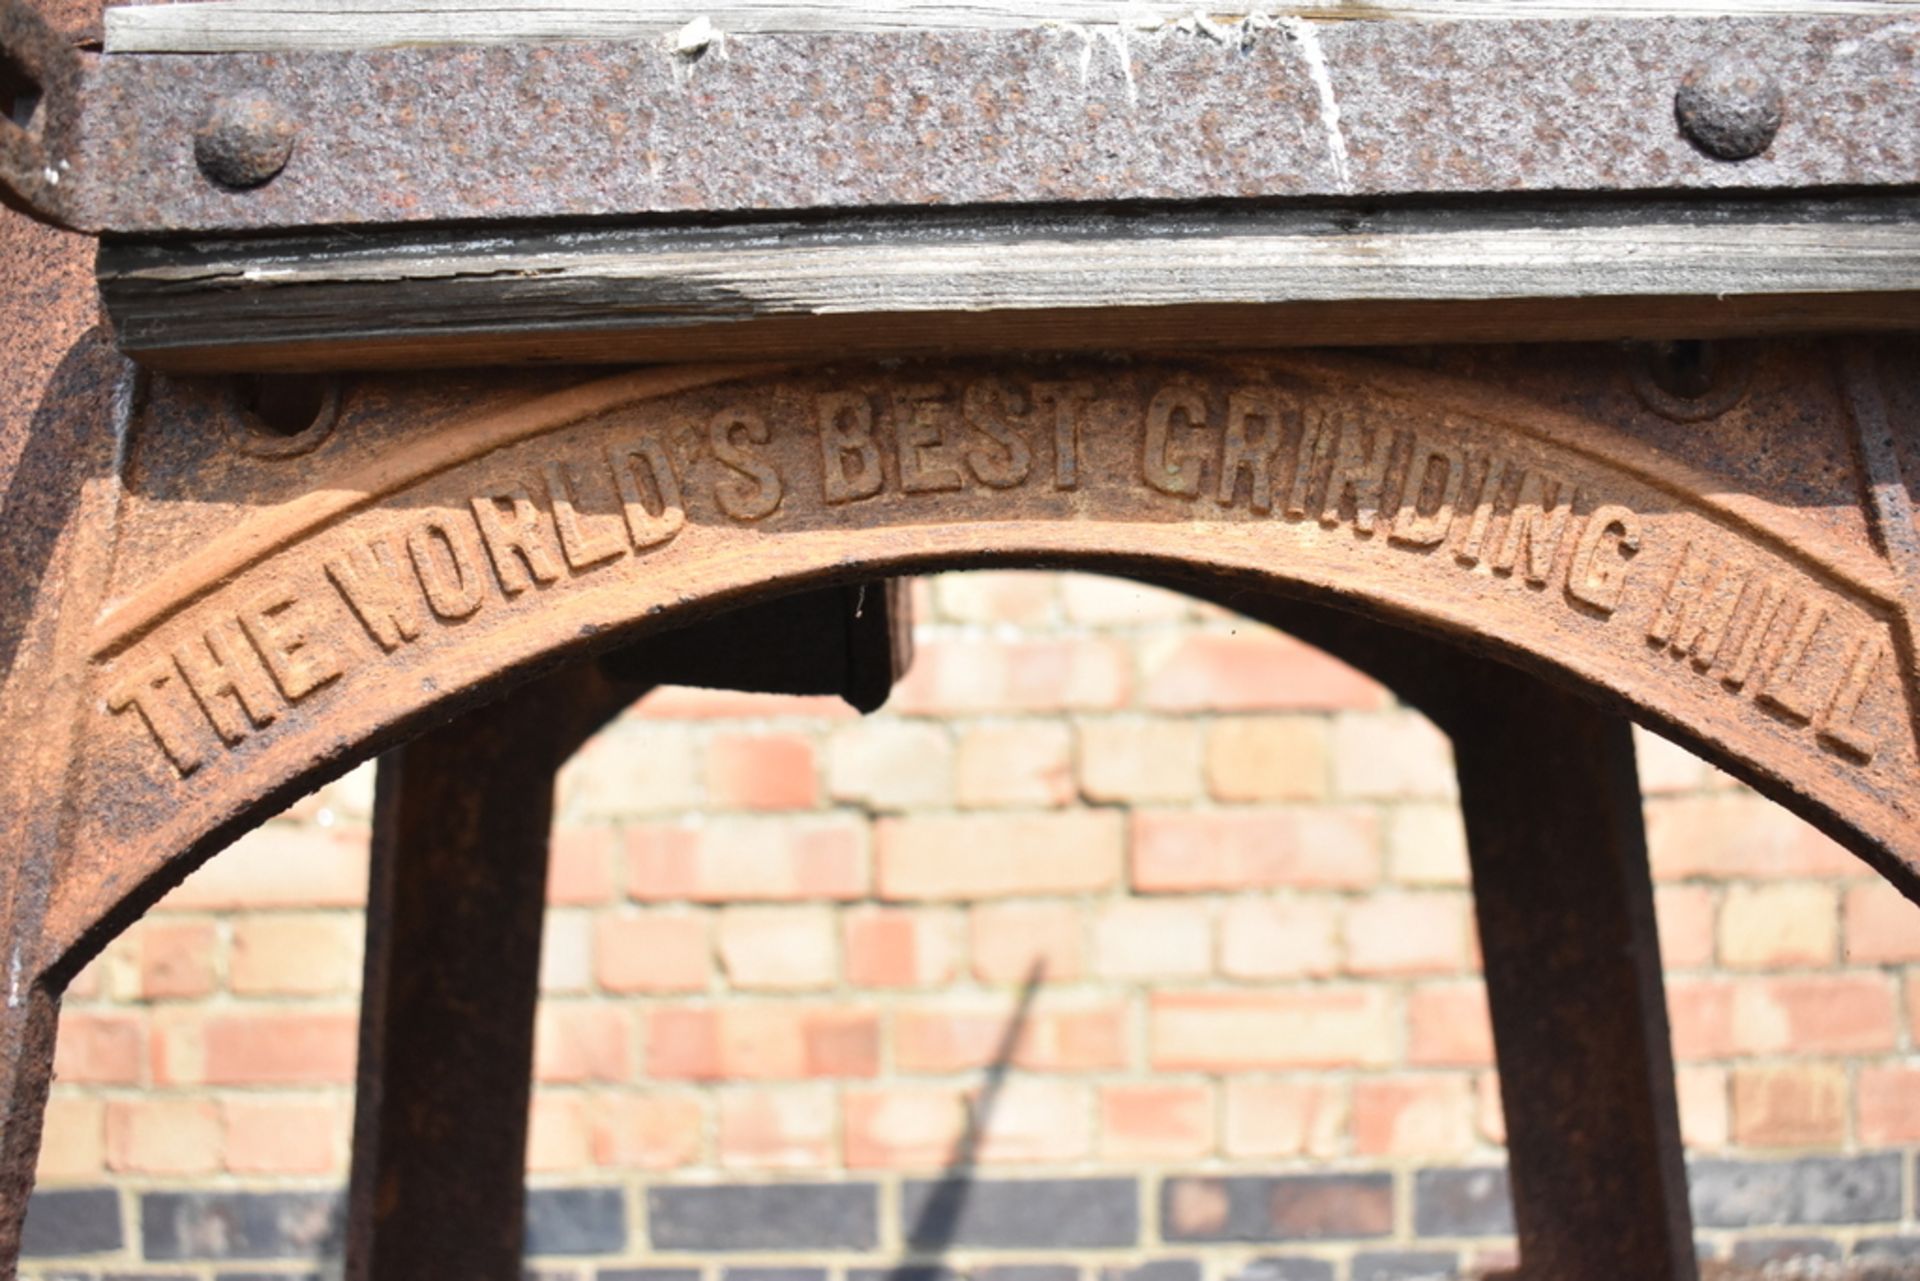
229	26
1020	279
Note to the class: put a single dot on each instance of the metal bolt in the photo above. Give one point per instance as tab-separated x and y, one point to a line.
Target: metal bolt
244	141
1729	108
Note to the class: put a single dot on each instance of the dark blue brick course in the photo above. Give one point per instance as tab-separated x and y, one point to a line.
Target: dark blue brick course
240	1225
1042	1214
71	1221
773	1216
1462	1203
576	1221
1812	1190
1296	1207
1404	1265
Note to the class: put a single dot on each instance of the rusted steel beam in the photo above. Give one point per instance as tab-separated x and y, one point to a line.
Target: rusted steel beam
455	903
1565	908
850	120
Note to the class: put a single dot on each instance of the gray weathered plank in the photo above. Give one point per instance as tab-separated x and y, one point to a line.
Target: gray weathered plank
243	303
229	26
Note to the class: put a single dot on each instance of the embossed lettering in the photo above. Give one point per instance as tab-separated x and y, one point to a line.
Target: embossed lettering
1840	723
1435	472
1169	470
849	458
1008	460
1782	688
579	543
756	490
151	693
370	580
279	623
1360	474
924	466
1535	527
1701	601
1321	429
227	681
1066	400
510	526
1471	545
639	500
1252	439
1598	574
446	559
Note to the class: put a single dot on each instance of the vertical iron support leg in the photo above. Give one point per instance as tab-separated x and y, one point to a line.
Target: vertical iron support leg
1565	906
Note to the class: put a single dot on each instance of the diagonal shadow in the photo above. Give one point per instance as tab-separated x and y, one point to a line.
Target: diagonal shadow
938	1222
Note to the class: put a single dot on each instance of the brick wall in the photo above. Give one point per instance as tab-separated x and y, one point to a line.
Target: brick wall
1130	938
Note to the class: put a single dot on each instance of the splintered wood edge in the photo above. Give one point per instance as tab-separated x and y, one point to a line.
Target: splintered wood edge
237	26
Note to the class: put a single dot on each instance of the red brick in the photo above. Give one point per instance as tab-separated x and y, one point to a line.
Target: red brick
1490	1116
1096	601
1178	851
1883	927
1685	914
652	952
1889	1103
1284	938
990	855
1423	1116
793	1129
1793	1014
1252	670
1156	1122
891	765
279	866
1014	942
1278	1027
1024	597
1427	844
778	948
1913	1005
163	1136
1145	939
1411	933
1448	1025
269	1135
1304	1117
559	1133
965	1033
1015	763
748	858
650	1131
1737	836
264	1049
580	866
296	954
177	959
1396	755
73	1142
632	769
579	1042
904	1127
682	702
900	947
1700	1016
1778	926
974	676
762	1042
1705	1121
761	772
1133	760
1267	758
566	952
1039	1121
1803	1105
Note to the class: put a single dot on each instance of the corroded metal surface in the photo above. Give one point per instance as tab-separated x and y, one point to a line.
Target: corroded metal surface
1722	547
851	120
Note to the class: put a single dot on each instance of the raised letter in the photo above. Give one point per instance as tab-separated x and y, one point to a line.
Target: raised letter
1066	399
1782	688
1009	460
1165	472
146	692
451	583
1250	451
510	527
924	468
1473	538
1535	528
1420	523
646	528
1596	580
221	667
846	432
1701	600
278	624
1840	724
1359	470
582	548
370	581
740	500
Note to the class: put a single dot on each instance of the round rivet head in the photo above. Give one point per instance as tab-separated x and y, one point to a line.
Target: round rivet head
1729	108
243	141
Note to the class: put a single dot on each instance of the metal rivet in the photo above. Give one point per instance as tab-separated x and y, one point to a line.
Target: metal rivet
244	141
1729	108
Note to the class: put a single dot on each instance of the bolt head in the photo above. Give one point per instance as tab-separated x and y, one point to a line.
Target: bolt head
1729	108
244	141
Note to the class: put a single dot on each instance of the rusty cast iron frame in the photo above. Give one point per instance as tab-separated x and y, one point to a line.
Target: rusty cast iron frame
219	591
